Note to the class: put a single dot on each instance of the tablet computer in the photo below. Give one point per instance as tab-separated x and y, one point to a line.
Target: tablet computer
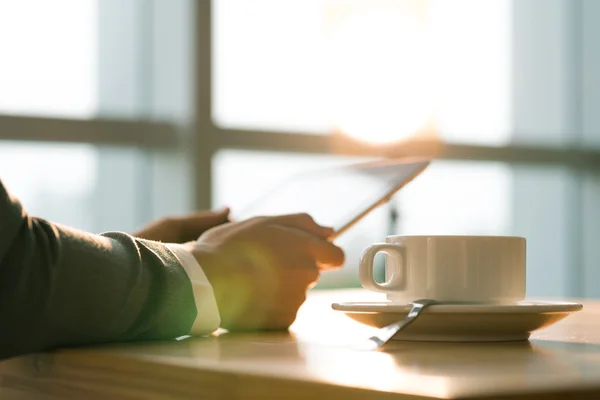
338	197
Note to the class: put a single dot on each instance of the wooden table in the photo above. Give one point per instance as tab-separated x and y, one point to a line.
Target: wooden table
562	361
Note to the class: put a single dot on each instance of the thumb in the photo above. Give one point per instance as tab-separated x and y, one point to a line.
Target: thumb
211	218
222	214
223	211
192	226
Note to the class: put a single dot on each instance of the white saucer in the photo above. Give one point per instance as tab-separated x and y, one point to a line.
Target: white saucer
463	323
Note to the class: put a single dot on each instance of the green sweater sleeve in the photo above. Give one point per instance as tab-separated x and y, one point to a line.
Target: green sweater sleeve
64	287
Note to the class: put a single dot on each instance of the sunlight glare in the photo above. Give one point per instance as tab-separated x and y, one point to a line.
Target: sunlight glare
380	76
371	369
49	57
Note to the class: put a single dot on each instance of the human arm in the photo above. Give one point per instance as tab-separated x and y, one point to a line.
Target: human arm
259	269
63	287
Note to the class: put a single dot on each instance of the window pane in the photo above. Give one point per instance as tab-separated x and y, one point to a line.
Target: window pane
537	203
376	70
590	76
457	198
48	57
77	185
544	210
54	182
590	237
87	58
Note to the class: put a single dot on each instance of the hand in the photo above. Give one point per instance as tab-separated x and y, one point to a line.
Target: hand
261	268
183	229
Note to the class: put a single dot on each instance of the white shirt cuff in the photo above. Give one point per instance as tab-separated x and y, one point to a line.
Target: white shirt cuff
208	319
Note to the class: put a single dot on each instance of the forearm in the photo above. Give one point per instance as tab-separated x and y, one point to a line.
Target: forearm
60	286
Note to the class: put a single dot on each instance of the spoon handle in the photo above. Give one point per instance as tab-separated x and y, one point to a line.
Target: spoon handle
384	334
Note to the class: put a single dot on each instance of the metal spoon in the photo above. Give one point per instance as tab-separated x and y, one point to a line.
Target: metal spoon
386	333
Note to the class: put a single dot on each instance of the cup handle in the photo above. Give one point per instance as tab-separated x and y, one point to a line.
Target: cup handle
365	272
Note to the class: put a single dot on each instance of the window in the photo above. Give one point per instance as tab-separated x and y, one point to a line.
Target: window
167	101
49	57
474	201
332	61
507	85
71	184
88	131
36	174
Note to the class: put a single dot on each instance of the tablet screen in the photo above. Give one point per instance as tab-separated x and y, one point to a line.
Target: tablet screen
339	196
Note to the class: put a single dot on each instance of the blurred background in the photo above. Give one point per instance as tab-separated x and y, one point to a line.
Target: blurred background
115	112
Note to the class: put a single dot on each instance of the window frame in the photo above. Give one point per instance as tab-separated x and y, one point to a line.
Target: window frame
191	136
212	138
208	138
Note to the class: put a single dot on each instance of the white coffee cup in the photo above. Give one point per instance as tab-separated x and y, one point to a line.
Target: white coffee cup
482	269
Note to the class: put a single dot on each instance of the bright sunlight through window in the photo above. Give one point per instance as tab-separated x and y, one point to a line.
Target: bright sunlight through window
48	57
381	77
378	70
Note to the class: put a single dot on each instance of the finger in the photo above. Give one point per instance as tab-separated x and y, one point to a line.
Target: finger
324	253
304	222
